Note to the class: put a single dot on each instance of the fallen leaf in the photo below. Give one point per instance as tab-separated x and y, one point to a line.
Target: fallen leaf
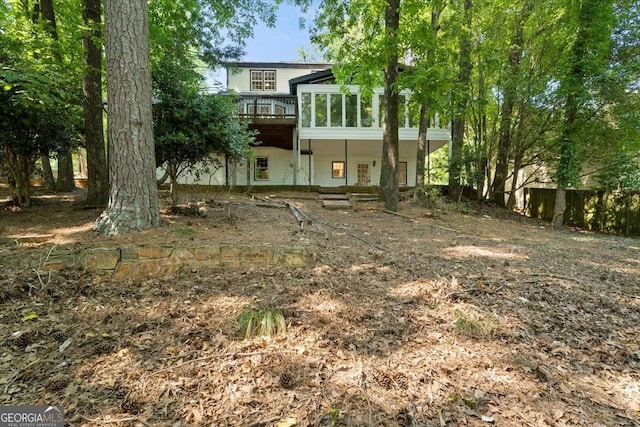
64	345
32	315
287	422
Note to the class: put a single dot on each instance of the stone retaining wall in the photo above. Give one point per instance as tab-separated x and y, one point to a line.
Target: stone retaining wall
132	262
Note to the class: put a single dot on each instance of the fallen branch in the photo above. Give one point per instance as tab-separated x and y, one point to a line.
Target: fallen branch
298	215
446	228
301	215
115	420
266	204
400	215
263	422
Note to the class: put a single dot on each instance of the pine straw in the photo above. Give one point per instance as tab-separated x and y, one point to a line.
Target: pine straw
372	338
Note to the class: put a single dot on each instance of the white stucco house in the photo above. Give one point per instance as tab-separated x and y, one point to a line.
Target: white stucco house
312	131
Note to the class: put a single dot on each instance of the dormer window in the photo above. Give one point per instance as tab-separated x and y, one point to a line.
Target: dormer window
264	80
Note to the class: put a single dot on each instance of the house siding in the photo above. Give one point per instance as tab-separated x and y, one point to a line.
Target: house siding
240	80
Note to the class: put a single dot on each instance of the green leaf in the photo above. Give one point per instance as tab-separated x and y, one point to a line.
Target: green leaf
7	87
32	315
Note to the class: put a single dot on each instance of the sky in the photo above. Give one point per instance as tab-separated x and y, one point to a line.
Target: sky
276	44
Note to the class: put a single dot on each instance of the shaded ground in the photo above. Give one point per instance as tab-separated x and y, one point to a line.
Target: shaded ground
440	320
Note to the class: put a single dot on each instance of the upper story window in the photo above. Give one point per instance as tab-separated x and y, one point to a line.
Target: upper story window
263	80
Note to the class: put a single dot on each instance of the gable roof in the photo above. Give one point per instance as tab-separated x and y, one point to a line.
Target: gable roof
313	78
292	64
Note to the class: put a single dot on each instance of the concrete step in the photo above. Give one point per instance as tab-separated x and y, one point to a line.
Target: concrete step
336	204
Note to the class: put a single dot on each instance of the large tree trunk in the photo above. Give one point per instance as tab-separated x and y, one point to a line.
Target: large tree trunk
460	106
97	174
586	58
506	111
65	183
133	197
421	153
559	208
47	173
389	178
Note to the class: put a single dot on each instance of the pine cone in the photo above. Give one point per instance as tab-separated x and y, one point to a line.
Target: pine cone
287	380
103	347
400	379
22	340
59	336
383	379
130	405
58	383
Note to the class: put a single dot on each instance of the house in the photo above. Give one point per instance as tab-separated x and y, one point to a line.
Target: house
312	131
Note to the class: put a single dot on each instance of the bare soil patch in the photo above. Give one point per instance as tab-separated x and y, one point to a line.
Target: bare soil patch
438	318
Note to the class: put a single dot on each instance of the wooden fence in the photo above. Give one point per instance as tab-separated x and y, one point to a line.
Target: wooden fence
614	212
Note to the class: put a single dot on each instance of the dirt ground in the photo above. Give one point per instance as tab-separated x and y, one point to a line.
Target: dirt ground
450	316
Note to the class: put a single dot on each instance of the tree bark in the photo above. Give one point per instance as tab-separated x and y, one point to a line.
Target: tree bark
133	197
47	173
66	182
425	119
517	164
585	59
97	173
389	178
19	165
421	153
506	111
173	183
460	106
558	208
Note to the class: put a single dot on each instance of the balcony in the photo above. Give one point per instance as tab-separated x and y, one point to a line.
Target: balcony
268	109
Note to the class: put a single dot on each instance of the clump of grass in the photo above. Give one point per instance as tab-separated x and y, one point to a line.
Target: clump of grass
186	231
261	322
475	326
464	208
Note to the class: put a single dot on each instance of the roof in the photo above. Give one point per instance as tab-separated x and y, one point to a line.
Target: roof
313	78
293	64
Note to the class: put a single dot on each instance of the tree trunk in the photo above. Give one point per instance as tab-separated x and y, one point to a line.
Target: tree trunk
460	106
559	208
97	173
585	59
173	183
506	111
425	118
517	164
66	182
133	197
19	166
47	173
421	153
389	178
